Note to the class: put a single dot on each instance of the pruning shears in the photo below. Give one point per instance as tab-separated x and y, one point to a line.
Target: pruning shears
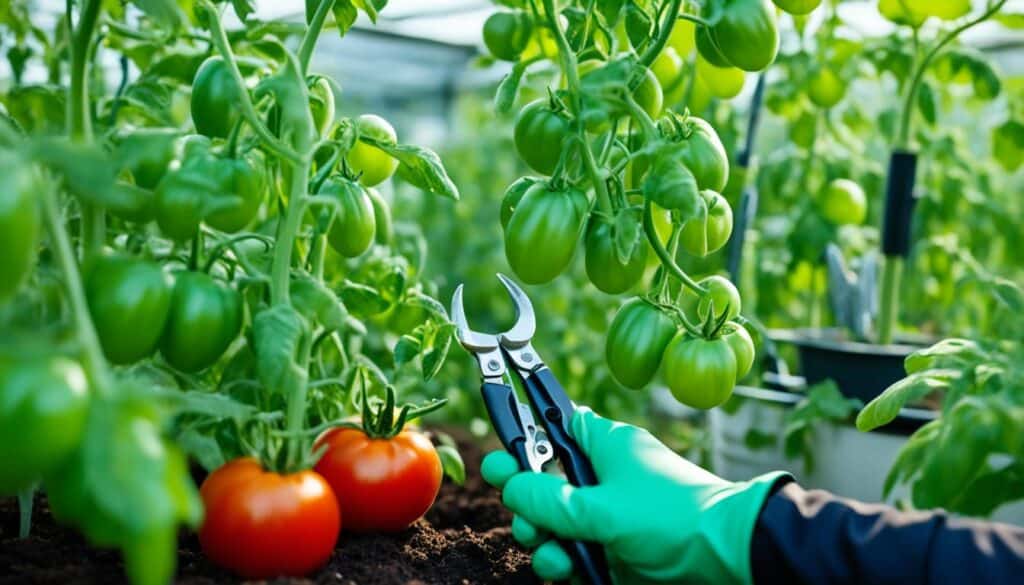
504	355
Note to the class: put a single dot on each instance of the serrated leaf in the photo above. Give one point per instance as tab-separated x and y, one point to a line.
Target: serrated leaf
316	302
627	235
363	300
886	407
408	347
278	335
451	463
420	166
946	353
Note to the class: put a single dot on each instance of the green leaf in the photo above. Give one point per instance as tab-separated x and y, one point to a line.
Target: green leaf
86	170
345	14
911	455
37	109
434	358
627	234
508	89
1008	144
288	86
363	300
1014	20
672	186
946	353
166	13
1009	293
126	487
451	463
883	409
202	447
420	166
991	489
408	347
243	8
279	334
755	439
207	404
317	303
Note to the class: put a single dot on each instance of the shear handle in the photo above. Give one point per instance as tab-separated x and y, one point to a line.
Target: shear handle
501	408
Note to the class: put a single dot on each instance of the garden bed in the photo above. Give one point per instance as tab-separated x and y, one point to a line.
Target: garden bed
465	538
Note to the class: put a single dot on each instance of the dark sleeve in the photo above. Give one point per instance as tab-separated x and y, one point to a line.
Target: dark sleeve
805	537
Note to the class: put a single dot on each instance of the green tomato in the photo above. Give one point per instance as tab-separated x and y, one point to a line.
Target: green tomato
636	341
700	149
844	203
541	236
20	223
43	406
513	195
321	104
205	317
701	373
943	9
375	165
723	82
506	34
538	135
153	151
129	300
746	34
898	11
670	72
797	7
215	99
707	48
603	266
354	226
682	38
742	346
825	89
242	188
383	229
722	298
708	233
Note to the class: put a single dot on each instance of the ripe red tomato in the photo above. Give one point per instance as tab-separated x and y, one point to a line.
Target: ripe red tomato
262	524
383	485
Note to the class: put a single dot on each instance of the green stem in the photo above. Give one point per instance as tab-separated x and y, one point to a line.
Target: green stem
569	69
666	259
903	138
220	40
652	51
79	115
295	415
287	232
694	19
93	362
316	256
890	295
316	24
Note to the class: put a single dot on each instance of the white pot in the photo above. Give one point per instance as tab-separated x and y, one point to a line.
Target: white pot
848	462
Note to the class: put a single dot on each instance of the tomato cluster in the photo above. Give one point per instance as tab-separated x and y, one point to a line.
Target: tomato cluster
630	172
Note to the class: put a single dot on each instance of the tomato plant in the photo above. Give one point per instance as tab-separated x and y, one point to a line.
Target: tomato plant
193	256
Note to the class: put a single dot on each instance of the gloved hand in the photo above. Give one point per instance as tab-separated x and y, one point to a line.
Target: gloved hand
660	518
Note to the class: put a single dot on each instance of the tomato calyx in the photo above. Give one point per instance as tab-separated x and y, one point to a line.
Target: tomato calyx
379	420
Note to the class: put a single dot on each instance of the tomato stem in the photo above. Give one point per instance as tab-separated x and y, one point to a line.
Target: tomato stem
309	39
903	139
652	51
220	40
569	69
79	114
666	260
890	296
94	364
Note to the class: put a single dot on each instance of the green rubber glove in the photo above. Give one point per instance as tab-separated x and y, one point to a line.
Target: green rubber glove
660	518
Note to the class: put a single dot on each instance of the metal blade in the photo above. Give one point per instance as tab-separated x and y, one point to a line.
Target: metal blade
526	323
471	340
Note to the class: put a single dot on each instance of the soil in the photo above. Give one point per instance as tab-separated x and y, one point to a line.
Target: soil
464	539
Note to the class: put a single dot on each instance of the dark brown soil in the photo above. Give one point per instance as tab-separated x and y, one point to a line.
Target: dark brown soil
463	540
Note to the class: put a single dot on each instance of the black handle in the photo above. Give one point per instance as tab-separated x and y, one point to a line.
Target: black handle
556	410
501	407
899	203
738	239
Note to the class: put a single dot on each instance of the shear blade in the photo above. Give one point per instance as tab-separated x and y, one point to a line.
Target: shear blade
526	323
